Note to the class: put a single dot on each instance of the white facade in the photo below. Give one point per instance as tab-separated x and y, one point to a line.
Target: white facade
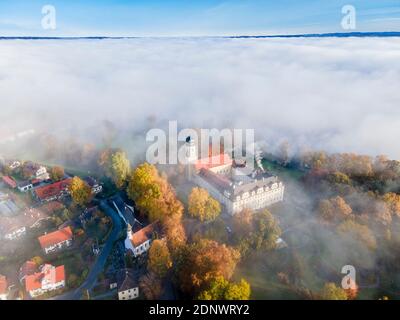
255	200
138	250
58	246
129	294
26	187
15	234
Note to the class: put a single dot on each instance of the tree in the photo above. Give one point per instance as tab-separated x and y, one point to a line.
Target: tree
120	168
115	165
175	233
358	232
221	289
57	173
151	286
159	260
332	292
202	205
81	193
203	261
153	195
334	209
393	202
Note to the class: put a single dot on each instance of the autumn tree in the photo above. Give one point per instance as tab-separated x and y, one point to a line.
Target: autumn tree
202	206
204	261
332	292
392	200
57	173
334	209
174	232
151	286
81	193
153	195
159	260
221	289
358	232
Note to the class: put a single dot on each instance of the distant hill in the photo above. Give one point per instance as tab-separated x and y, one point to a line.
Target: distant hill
310	35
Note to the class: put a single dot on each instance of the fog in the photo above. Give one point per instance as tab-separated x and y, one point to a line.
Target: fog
332	94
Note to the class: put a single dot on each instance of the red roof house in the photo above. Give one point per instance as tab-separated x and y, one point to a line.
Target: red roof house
53	191
48	279
10	182
56	240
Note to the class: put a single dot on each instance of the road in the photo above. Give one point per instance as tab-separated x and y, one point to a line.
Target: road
98	266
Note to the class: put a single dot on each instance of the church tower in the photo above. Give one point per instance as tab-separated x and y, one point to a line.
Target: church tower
191	157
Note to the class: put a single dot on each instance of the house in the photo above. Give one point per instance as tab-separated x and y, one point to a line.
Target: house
139	242
35	171
53	191
3	288
127	284
49	278
94	185
14	227
10	182
27	269
14	165
25	186
128	288
56	241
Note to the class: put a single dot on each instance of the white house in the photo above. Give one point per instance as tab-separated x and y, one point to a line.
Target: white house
57	240
128	286
49	278
140	241
25	186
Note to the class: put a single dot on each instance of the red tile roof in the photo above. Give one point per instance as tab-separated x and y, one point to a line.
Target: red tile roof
214	161
52	190
60	274
10	182
52	274
143	234
53	238
34	281
3	285
28	268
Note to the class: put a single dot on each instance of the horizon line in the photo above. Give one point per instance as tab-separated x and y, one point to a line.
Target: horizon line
300	35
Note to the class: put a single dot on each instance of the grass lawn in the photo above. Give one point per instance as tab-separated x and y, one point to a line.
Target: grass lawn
283	172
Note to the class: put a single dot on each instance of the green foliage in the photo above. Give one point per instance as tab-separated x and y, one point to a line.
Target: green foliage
115	165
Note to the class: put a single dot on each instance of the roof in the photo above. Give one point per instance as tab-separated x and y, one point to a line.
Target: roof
49	273
55	237
234	188
3	285
127	279
214	161
10	182
143	234
28	268
29	218
52	190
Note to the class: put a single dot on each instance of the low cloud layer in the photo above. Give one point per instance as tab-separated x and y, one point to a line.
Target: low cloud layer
332	94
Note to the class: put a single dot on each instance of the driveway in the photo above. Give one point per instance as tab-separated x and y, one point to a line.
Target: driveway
98	266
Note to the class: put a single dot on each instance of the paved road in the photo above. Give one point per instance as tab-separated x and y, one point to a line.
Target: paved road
98	267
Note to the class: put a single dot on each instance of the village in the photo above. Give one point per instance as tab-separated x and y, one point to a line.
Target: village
51	246
71	237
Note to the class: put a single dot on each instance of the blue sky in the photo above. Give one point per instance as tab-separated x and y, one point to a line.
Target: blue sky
184	17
